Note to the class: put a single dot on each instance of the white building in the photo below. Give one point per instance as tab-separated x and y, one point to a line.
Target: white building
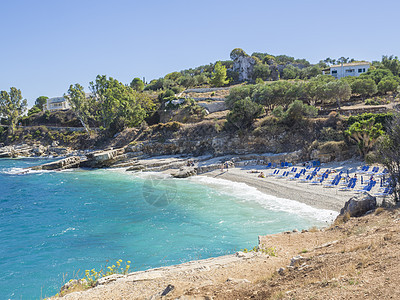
57	103
349	69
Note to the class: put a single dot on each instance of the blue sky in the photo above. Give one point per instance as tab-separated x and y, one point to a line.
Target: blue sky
48	45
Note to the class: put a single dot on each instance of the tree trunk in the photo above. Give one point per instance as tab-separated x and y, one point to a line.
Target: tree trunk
338	102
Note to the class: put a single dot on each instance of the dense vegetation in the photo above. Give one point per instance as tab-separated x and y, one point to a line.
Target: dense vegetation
284	91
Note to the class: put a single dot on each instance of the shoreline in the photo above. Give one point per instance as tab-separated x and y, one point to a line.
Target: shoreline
314	195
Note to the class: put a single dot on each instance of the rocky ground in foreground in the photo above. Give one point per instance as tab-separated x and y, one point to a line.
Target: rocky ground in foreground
355	259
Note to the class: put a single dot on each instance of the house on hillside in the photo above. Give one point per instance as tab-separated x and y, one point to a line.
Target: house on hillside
349	69
57	103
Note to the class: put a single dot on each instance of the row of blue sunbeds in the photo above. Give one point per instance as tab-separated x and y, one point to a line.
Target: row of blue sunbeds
349	184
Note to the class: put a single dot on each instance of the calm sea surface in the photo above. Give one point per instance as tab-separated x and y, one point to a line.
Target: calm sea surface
55	225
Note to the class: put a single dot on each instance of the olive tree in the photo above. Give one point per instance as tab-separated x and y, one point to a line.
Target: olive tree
243	113
364	87
12	106
337	90
80	104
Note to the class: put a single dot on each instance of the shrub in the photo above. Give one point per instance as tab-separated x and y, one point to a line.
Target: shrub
238	93
47	115
372	102
330	134
278	112
383	118
333	147
243	113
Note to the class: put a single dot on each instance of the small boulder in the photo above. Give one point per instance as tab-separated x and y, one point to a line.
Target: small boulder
185	172
297	261
359	205
281	271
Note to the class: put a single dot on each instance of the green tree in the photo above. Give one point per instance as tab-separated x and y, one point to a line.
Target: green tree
388	84
310	72
392	63
262	94
12	107
365	133
238	93
40	101
137	84
279	93
187	81
243	113
377	75
160	84
261	71
80	104
237	52
219	75
33	110
173	76
314	88
364	87
118	106
296	112
290	72
337	90
201	79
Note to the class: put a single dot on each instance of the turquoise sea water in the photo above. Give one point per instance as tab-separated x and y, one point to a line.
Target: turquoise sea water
55	224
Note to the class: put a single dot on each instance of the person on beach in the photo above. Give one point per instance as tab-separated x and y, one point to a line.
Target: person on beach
222	168
261	175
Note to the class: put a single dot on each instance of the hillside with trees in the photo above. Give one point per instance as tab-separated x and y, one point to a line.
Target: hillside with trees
269	103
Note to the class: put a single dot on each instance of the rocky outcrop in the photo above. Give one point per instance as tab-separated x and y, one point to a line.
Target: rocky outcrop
102	159
62	164
359	205
35	150
243	64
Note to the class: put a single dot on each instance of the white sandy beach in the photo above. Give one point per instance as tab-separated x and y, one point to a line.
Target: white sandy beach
315	195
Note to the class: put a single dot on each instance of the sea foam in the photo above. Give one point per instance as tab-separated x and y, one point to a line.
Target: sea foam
245	192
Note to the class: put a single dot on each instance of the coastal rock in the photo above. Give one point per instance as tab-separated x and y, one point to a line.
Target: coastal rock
104	158
71	284
359	205
137	167
185	172
66	163
108	279
39	150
